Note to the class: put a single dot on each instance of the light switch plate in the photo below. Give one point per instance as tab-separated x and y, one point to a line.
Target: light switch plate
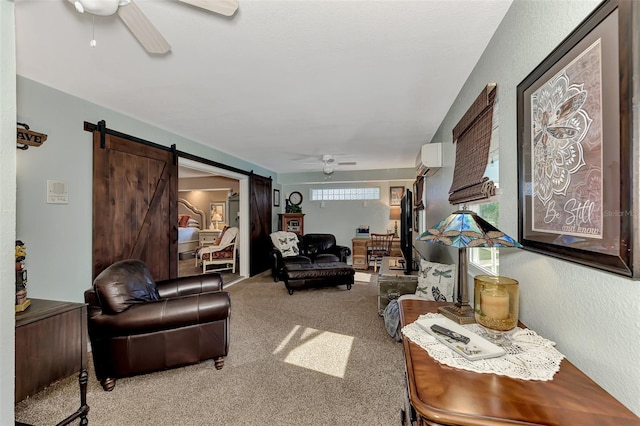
57	192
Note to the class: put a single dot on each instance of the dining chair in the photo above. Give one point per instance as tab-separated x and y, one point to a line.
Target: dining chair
378	247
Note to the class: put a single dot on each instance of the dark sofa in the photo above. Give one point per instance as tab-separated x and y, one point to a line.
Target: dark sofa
138	326
312	248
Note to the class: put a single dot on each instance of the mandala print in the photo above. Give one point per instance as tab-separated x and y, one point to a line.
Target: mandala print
559	124
590	188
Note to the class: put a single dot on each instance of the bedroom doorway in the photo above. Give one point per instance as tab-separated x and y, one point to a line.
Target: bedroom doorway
217	198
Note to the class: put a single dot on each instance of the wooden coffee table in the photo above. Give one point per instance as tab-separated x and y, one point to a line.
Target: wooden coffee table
443	395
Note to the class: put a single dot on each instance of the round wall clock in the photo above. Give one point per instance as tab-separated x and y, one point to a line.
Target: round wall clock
295	198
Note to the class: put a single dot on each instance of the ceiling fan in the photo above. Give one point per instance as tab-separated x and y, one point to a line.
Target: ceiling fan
137	22
330	163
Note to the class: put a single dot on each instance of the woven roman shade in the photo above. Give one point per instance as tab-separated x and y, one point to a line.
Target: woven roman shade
472	136
418	188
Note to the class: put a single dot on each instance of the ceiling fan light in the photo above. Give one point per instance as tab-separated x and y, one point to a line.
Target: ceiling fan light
97	7
327	169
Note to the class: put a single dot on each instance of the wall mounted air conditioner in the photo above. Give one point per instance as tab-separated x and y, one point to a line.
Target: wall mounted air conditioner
429	159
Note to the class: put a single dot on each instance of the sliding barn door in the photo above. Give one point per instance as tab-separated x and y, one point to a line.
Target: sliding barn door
134	205
260	220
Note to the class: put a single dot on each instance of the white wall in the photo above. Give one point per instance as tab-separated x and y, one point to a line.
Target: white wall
592	315
7	209
58	237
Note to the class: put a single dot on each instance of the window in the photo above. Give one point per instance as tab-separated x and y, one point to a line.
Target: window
486	258
331	194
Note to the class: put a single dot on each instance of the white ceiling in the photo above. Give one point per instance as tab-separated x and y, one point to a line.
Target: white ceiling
279	83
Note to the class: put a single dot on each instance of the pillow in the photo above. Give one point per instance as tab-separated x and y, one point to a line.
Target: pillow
228	236
286	242
193	223
123	284
183	220
436	281
219	239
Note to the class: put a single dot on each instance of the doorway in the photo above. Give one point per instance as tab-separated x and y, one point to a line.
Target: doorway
231	191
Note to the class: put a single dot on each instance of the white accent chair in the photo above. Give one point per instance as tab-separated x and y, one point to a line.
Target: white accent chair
224	254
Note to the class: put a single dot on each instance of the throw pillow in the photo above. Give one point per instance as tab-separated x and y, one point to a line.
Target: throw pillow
219	239
183	220
436	281
123	284
286	242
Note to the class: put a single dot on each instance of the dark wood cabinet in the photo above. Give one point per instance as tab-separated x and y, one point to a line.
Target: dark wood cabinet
292	222
51	344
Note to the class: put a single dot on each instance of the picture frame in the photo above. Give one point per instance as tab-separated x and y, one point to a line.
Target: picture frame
395	195
575	152
276	198
217	208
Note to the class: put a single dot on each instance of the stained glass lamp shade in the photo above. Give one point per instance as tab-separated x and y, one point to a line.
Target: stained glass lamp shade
463	229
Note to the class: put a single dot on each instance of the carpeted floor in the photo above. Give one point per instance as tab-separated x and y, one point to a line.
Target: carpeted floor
318	357
187	267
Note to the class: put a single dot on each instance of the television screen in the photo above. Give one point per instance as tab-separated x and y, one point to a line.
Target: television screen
406	230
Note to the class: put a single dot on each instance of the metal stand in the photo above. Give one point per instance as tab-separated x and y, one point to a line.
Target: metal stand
461	312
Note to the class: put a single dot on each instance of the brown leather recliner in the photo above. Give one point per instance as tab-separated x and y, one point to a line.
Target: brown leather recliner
138	326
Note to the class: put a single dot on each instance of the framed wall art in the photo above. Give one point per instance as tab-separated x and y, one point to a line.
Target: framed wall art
276	198
218	214
395	195
575	152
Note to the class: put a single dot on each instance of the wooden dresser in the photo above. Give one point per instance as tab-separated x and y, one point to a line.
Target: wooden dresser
442	395
359	251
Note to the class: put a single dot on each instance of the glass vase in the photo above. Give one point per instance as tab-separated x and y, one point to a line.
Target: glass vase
496	305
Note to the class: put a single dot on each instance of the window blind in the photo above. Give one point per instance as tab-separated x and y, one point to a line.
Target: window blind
472	136
418	187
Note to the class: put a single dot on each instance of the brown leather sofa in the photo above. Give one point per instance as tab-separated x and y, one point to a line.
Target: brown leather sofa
139	326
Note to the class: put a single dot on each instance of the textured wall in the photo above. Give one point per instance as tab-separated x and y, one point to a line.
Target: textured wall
591	315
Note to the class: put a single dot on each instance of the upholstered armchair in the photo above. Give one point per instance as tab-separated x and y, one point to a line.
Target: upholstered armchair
323	248
222	254
285	246
139	326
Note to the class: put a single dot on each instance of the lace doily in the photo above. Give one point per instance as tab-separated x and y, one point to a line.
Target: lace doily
529	356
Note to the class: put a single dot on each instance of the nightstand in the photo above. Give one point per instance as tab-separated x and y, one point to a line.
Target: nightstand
209	236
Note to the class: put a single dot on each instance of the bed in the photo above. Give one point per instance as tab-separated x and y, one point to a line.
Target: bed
190	221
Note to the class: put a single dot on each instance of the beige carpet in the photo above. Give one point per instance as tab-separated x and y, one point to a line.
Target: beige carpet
187	267
318	357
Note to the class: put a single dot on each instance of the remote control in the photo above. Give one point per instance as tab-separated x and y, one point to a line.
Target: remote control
452	334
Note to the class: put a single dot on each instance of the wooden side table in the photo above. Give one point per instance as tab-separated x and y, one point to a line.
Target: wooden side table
443	395
208	236
51	344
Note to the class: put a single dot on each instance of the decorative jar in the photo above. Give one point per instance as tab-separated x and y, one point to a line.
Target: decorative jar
496	305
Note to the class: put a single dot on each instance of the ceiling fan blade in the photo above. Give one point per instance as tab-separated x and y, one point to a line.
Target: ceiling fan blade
223	7
142	29
347	163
